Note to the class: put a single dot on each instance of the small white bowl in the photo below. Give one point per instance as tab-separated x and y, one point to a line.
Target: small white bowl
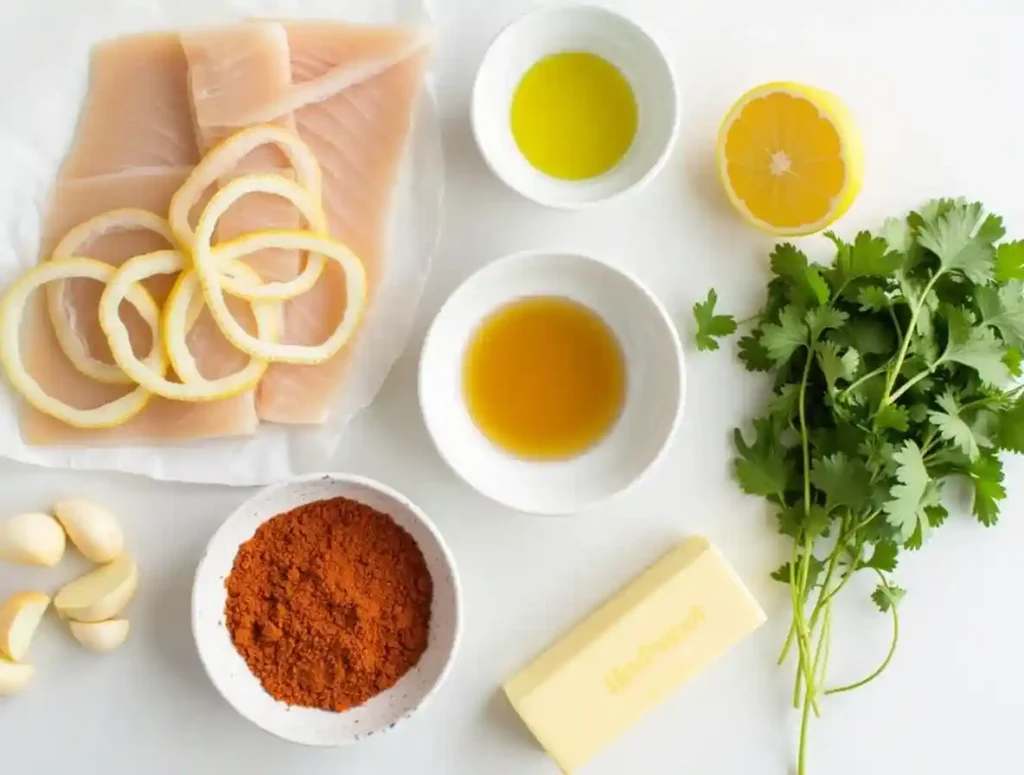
227	669
655	383
556	28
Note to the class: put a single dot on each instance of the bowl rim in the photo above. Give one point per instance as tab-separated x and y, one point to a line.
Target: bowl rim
649	296
420	516
576	6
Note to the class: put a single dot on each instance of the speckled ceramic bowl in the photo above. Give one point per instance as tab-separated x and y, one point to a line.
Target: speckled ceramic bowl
227	669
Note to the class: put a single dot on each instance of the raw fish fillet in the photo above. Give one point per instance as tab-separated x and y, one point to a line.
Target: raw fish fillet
134	147
355	95
231	70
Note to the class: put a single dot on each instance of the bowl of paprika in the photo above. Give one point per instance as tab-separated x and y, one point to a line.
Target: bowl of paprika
326	609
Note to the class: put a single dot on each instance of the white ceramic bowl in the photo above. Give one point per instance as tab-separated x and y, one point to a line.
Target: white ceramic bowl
228	670
575	27
655	387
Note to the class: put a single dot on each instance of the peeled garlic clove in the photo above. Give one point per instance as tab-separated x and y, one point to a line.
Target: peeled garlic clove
32	539
92	529
101	594
14	677
101	636
19	618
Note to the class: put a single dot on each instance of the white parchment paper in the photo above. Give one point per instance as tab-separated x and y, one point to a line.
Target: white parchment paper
45	57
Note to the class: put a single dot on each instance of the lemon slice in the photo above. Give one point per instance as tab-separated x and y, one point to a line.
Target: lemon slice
306	196
178	318
12	312
206	262
121	286
77	351
790	158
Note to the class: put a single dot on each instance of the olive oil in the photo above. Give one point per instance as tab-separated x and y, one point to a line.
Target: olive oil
544	378
574	115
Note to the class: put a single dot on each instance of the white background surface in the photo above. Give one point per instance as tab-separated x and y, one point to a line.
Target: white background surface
935	86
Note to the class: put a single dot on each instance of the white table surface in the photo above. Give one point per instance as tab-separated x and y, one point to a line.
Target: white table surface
935	86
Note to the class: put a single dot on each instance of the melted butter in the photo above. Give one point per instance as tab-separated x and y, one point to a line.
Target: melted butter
544	378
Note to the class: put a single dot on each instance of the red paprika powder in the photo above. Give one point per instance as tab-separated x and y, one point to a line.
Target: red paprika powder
329	604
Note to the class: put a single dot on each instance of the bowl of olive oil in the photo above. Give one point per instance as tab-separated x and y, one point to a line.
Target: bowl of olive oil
551	382
573	105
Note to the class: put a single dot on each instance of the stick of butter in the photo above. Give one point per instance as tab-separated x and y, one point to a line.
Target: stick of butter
625	658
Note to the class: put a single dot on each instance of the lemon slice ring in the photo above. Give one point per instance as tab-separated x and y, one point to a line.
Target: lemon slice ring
207	261
77	351
178	319
120	286
223	159
12	313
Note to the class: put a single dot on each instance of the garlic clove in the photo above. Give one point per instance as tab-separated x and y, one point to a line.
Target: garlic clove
20	616
92	529
101	594
101	636
14	677
32	539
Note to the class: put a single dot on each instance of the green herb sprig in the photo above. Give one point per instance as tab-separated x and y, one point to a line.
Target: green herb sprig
892	374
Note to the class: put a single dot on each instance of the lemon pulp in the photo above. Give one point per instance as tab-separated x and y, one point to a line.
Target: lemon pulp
544	378
574	115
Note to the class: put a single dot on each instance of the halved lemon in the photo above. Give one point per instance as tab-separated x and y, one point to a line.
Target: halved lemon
12	312
73	244
790	158
121	286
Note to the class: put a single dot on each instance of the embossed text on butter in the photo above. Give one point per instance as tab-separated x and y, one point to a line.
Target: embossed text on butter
621	676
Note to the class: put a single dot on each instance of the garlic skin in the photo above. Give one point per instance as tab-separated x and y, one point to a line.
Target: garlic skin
92	529
101	594
101	637
32	539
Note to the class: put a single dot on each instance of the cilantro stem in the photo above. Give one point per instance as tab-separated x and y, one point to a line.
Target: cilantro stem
894	371
824	645
911	382
865	378
888	657
805	717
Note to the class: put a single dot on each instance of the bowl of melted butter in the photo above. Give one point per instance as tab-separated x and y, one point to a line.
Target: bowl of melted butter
551	382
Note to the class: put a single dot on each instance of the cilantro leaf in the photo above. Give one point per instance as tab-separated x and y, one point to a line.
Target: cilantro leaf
1010	261
937	514
872	299
987	479
892	417
814	569
761	467
802	281
953	238
1010	435
781	340
753	354
784	403
887	597
884	556
867	257
709	325
905	509
983	353
821	319
843	481
897	235
952	427
834	366
1003	309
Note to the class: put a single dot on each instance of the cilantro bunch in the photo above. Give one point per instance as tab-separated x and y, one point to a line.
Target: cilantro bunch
892	374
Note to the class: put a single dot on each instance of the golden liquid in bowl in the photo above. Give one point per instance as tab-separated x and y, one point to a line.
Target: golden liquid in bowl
544	378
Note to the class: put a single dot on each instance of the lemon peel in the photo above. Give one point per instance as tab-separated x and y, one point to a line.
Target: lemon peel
307	197
207	261
12	312
120	286
76	350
